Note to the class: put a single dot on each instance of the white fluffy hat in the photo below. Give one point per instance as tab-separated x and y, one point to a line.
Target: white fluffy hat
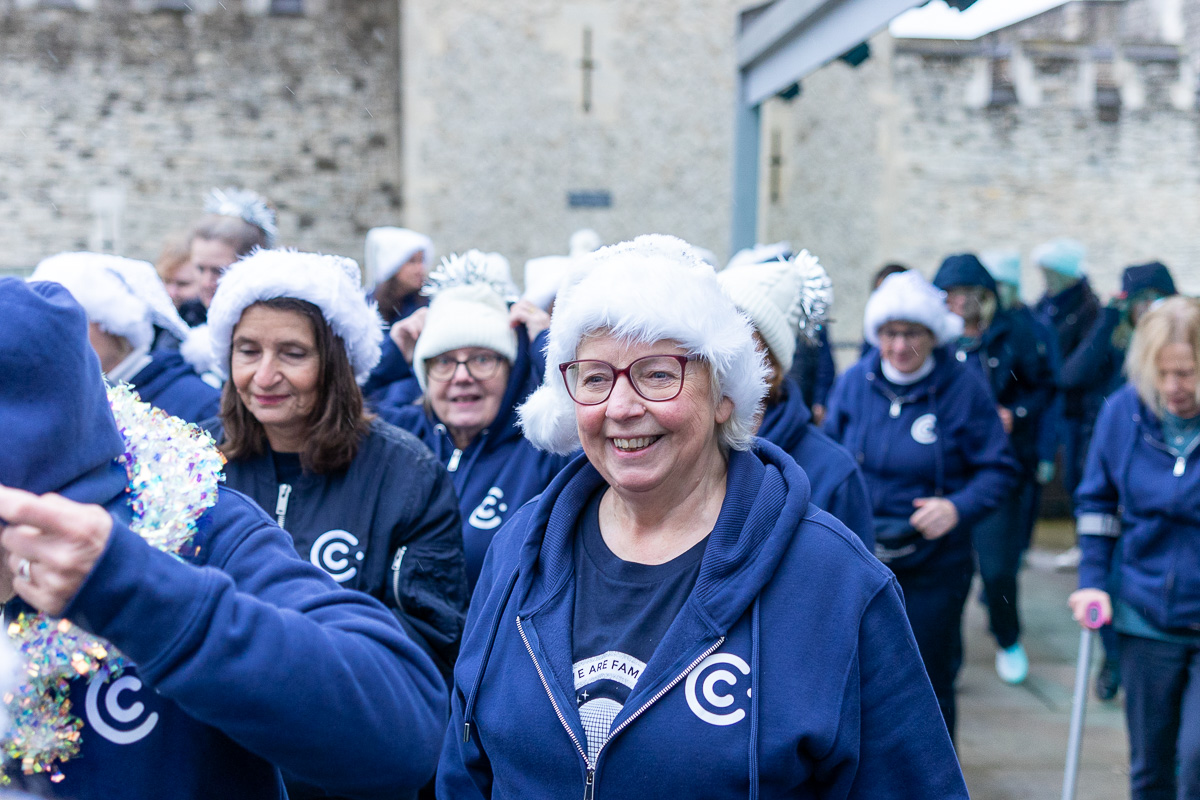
544	278
584	241
760	254
471	293
909	297
331	283
773	295
653	288
389	249
124	297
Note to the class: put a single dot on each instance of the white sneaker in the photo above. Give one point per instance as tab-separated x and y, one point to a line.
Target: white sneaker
1012	664
1068	559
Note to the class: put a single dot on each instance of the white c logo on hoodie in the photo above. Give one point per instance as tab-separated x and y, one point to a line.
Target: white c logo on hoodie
709	689
132	714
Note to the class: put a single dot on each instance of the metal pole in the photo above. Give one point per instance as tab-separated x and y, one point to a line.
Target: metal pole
1078	711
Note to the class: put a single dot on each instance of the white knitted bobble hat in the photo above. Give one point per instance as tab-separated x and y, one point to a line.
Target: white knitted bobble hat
908	296
389	249
331	283
652	289
471	293
772	295
124	297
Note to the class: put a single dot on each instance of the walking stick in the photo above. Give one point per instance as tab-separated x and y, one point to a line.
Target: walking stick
1092	621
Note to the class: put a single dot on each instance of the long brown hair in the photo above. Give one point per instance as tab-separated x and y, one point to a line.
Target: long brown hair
338	421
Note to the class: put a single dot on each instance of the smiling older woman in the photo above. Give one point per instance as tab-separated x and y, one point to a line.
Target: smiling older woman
672	617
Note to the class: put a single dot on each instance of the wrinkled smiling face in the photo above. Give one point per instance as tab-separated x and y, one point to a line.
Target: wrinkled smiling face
642	446
276	370
463	403
905	345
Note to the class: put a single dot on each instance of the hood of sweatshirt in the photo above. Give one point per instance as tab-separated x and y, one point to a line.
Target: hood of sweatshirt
785	422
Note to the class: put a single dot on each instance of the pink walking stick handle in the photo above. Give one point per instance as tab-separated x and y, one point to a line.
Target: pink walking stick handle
1093	616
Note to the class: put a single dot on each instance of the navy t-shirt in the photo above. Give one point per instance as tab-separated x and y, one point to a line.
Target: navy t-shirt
622	611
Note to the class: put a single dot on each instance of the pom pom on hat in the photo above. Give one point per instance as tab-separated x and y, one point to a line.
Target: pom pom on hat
780	297
471	293
1004	265
1064	256
389	249
331	283
654	288
247	206
907	296
123	296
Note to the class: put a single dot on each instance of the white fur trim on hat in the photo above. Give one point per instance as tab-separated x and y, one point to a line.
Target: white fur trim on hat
123	296
907	296
543	277
389	249
331	283
655	288
760	254
464	316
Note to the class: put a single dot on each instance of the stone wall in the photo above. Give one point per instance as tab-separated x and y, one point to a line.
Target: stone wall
911	158
117	120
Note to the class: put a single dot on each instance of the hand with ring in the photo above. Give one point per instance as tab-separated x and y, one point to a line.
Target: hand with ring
64	538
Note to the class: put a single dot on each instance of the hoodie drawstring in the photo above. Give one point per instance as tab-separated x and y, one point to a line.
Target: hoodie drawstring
469	708
754	638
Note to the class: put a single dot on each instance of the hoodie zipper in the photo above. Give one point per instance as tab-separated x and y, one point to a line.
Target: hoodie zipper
281	503
589	787
1180	460
396	562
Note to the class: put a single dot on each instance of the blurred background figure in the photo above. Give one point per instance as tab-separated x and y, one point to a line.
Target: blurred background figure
235	222
397	261
135	330
584	241
1137	515
779	297
362	500
473	360
180	276
924	428
1003	349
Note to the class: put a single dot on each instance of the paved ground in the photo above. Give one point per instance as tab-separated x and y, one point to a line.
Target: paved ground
1013	739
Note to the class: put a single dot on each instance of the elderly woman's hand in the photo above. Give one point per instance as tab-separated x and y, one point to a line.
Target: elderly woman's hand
533	318
52	543
406	332
934	517
1080	600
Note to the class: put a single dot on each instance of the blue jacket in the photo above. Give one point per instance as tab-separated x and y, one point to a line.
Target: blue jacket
247	661
790	671
945	440
392	382
170	383
813	368
1073	314
835	479
498	471
387	525
1139	505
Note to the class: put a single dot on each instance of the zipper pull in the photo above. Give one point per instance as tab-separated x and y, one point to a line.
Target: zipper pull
1180	466
281	504
455	457
466	732
894	411
589	788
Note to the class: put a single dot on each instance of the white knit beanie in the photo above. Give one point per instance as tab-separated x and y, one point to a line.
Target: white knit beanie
471	293
331	283
124	297
389	249
760	254
909	297
655	288
771	294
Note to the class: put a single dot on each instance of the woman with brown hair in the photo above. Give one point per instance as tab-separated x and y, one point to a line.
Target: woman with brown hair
363	500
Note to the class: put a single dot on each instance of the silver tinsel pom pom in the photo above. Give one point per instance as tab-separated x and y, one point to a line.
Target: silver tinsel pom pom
811	309
247	206
472	268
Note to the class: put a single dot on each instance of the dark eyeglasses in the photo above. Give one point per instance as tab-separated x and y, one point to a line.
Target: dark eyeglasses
480	366
654	378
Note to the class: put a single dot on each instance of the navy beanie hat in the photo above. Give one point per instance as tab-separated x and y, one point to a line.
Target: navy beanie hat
1141	277
55	421
964	269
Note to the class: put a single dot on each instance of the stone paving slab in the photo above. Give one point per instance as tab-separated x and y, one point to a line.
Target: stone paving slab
1012	740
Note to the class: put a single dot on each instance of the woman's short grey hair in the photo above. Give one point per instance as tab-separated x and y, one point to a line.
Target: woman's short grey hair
1175	320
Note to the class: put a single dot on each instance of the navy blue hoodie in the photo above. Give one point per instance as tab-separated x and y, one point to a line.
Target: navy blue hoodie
1138	509
387	525
790	671
836	481
248	661
170	383
944	440
498	471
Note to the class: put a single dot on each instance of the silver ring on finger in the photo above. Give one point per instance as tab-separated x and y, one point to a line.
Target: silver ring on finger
24	570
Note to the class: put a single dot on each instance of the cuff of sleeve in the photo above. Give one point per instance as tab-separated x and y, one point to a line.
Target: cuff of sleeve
1095	524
